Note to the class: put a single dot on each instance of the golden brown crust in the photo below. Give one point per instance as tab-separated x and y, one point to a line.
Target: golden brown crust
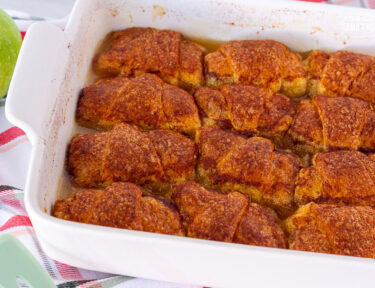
292	66
212	145
209	214
368	133
249	163
342	177
247	109
131	157
127	154
86	158
231	163
254	168
218	69
180	110
342	73
260	226
191	65
136	51
333	229
332	123
177	154
277	116
264	63
279	195
159	216
294	82
94	104
140	102
212	105
343	119
144	100
314	66
120	205
146	50
245	105
117	206
119	38
309	239
244	56
228	217
307	126
315	63
364	86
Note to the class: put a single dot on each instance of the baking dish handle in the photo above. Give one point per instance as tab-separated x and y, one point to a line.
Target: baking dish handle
35	81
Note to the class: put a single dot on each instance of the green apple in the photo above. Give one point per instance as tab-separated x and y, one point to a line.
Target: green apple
10	43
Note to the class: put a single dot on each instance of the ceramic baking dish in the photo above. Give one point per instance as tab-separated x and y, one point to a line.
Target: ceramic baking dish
53	67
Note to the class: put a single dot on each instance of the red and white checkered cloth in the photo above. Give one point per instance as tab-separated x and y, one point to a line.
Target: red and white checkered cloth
14	157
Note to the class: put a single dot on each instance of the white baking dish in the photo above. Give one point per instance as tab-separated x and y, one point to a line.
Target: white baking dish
52	69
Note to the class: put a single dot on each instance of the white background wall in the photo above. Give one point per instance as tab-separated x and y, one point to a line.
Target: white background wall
40	8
